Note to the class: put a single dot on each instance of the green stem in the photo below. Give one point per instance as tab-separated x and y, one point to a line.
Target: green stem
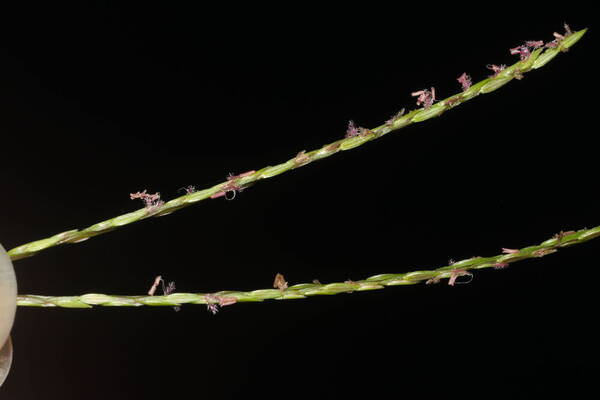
562	239
537	59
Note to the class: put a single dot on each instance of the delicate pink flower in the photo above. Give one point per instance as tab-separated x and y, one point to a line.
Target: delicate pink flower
352	130
189	189
500	265
212	303
523	51
280	282
231	188
425	97
534	44
465	81
495	68
212	308
150	200
558	37
169	289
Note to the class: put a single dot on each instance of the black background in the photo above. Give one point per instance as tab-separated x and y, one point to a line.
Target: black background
101	100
